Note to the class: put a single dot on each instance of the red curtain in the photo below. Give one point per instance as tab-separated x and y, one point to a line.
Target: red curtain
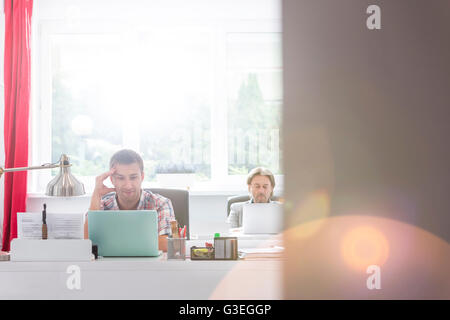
17	80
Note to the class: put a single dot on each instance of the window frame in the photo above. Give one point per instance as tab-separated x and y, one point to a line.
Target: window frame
41	103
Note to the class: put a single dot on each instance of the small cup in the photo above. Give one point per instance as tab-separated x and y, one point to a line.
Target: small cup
176	248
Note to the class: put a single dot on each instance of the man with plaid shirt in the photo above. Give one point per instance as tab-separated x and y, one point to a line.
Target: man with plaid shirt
126	174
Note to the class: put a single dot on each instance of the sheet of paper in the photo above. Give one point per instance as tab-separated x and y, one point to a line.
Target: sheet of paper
59	225
29	225
65	226
274	249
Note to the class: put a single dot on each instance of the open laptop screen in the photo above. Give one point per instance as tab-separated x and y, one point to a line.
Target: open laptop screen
124	232
262	218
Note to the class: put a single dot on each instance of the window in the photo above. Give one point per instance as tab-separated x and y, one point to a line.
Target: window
254	101
150	95
190	96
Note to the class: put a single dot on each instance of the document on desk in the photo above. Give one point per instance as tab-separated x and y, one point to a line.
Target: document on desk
261	253
59	225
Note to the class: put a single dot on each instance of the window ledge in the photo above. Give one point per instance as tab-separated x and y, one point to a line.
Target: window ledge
44	196
192	192
197	189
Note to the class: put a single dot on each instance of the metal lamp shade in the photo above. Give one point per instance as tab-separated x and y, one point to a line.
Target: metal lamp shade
65	184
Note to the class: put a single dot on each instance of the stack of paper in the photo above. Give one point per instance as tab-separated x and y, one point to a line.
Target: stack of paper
60	225
261	253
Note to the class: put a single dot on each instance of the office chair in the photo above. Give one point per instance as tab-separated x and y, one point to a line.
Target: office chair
180	203
243	198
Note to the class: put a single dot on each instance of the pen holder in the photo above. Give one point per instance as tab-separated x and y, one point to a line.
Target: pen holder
176	248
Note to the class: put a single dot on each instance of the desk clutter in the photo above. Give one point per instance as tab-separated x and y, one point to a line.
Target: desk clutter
176	243
275	252
59	237
176	248
202	253
50	237
225	248
46	226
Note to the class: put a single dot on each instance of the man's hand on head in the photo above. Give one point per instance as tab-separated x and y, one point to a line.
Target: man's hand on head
100	189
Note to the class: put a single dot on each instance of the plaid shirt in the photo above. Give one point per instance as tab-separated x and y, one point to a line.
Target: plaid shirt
148	201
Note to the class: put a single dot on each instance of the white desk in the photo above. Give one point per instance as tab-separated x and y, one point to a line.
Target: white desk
144	278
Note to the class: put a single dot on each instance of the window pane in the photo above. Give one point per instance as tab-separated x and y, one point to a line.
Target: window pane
150	92
84	124
254	101
255	50
175	130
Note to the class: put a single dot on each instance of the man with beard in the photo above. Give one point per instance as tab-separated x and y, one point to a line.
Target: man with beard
261	183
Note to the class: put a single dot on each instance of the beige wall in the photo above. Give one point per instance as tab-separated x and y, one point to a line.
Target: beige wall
366	130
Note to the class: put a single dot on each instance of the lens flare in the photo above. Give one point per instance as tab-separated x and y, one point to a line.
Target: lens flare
315	208
364	246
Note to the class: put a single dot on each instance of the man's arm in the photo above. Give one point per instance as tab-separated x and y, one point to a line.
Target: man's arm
162	242
166	214
99	191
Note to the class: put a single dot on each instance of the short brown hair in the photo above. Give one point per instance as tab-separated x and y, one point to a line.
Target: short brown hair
126	156
260	171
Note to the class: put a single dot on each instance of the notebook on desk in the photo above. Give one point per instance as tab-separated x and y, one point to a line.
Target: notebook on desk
262	218
124	233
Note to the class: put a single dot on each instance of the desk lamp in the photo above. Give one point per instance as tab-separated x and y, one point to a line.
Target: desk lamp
63	185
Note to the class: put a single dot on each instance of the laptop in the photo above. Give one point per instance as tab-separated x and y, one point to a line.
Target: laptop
124	233
260	218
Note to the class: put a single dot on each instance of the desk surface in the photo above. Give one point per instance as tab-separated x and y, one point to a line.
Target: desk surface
142	278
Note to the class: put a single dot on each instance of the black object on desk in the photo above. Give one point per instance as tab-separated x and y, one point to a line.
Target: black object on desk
95	251
44	223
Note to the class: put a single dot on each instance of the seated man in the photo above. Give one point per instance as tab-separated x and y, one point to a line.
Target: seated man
126	174
261	183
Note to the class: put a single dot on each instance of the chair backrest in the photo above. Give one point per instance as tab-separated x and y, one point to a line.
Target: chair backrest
243	198
180	203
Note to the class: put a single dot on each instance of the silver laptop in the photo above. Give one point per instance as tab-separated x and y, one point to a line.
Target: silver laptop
260	218
124	233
